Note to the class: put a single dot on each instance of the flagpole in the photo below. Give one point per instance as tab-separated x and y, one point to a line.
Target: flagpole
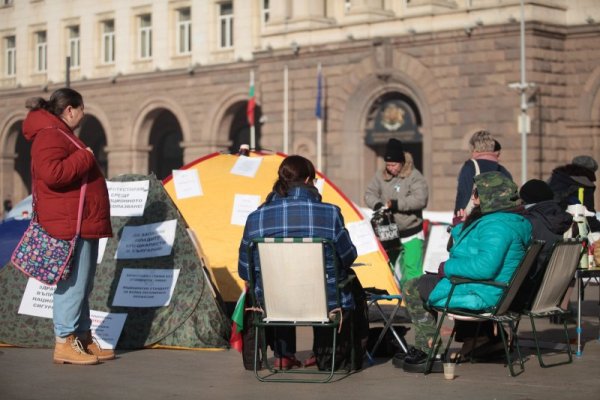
285	111
319	118
252	128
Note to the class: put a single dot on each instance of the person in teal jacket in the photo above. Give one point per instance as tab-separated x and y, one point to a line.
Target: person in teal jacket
488	246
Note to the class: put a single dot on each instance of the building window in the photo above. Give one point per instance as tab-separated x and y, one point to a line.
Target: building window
226	24
74	46
7	3
266	9
145	35
108	42
184	31
41	52
10	45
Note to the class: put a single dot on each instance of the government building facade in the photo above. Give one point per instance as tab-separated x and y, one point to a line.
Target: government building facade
166	82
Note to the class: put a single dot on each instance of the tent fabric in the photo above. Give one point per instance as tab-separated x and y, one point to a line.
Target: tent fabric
11	232
193	319
210	215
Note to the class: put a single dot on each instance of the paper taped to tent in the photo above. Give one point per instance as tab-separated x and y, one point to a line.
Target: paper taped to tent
151	287
216	193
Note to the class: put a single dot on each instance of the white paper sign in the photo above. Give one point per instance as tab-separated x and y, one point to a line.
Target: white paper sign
319	184
127	199
187	183
246	166
145	287
243	205
101	248
436	248
363	237
107	327
38	299
147	241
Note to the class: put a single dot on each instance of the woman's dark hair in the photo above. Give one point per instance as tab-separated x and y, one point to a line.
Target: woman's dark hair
59	100
293	171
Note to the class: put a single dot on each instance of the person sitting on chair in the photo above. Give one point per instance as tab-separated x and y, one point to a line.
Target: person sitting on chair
549	222
294	209
488	245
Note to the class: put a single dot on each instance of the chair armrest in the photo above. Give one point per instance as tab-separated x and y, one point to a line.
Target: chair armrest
459	280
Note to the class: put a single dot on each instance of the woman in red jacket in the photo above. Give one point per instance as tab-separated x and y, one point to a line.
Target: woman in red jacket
58	169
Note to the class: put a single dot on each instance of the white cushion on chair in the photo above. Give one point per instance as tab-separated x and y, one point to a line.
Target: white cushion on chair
293	279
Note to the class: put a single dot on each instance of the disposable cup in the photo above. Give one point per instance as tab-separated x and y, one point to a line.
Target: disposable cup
449	370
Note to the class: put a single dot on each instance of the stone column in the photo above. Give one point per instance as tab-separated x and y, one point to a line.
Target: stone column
367	10
297	15
7	166
125	160
193	150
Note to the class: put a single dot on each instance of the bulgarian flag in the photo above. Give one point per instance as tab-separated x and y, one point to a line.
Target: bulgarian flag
251	101
237	325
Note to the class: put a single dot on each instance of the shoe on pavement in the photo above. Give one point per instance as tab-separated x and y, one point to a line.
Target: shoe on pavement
310	361
91	346
398	359
70	351
286	363
416	361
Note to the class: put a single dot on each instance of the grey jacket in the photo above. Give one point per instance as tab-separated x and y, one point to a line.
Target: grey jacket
409	189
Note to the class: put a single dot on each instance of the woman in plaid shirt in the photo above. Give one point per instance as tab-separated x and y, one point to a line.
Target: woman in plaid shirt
294	209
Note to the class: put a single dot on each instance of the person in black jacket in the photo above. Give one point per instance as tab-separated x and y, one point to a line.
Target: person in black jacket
574	183
549	221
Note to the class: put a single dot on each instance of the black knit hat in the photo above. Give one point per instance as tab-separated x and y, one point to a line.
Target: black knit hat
534	191
394	152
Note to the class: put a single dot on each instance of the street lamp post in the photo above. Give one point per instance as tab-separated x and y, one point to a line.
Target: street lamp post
522	86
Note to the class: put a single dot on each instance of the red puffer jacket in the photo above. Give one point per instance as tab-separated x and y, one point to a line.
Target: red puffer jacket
58	168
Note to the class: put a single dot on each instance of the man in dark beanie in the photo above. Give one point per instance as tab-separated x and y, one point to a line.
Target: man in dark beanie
535	191
403	190
549	221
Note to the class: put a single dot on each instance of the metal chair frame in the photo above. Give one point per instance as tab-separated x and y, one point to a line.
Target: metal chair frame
261	319
559	272
500	313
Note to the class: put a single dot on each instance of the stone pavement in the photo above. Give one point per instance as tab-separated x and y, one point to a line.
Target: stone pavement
183	374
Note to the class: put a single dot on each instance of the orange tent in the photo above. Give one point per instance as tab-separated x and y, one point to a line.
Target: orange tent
210	214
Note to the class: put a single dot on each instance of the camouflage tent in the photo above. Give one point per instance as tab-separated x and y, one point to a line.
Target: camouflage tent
194	318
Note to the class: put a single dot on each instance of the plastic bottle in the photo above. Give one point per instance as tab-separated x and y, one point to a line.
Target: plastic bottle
591	262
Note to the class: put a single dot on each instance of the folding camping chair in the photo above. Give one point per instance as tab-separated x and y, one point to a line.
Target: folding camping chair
560	270
499	313
374	296
294	286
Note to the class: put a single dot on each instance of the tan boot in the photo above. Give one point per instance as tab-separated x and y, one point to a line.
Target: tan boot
70	351
91	346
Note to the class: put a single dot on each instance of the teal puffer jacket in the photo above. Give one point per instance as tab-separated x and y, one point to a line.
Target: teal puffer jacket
489	249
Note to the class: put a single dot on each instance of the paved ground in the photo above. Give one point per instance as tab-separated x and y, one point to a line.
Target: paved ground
171	374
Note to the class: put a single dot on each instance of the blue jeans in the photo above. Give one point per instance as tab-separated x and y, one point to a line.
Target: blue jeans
71	312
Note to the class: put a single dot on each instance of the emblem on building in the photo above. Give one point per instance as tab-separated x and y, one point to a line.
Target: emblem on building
392	117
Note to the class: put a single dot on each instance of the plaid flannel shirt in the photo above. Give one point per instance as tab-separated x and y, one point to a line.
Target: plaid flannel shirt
301	214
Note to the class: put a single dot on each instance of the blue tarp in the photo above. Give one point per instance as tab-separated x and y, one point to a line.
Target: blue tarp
10	233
